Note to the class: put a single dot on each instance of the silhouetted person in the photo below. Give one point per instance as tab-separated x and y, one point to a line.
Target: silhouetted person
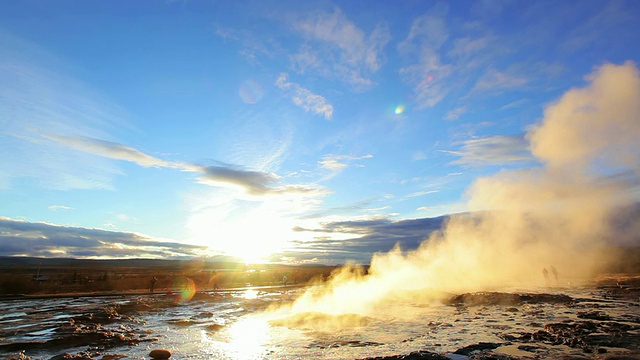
555	273
545	273
215	280
153	284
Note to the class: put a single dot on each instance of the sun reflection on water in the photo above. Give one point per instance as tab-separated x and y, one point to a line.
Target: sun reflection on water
250	294
248	337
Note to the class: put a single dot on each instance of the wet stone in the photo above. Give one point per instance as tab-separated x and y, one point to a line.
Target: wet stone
417	355
468	350
114	357
506	299
529	348
214	327
594	315
160	354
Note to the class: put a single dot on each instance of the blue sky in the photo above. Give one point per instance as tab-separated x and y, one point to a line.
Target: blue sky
272	130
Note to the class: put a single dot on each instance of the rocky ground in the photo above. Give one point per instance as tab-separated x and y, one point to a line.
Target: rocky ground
595	334
596	330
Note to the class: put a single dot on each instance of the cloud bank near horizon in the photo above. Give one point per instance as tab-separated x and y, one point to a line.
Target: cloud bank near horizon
22	238
364	238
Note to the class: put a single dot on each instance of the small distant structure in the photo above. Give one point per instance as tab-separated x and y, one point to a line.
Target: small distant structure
38	277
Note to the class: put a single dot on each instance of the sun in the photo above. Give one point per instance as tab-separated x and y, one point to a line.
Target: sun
251	237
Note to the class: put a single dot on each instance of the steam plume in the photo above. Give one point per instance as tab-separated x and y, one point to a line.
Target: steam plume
521	221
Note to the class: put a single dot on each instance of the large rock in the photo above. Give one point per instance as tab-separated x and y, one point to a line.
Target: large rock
506	299
160	354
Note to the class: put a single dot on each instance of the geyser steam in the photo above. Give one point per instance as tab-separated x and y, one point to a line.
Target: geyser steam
521	221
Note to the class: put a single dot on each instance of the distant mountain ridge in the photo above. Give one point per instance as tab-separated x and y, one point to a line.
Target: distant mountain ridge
24	261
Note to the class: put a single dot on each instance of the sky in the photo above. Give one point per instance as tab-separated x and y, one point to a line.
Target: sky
291	131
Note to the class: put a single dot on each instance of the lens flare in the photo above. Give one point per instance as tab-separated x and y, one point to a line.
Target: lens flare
399	110
185	289
251	92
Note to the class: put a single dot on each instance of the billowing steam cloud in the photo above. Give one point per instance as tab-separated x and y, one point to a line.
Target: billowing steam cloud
559	214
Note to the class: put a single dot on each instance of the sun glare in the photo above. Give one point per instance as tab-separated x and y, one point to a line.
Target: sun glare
248	337
252	237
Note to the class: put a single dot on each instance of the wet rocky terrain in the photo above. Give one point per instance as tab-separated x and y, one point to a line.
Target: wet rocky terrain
599	322
603	327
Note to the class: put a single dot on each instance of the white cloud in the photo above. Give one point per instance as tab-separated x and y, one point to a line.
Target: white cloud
305	98
108	149
493	150
421	193
418	156
514	104
466	47
255	183
337	163
332	163
348	53
456	113
495	80
429	74
59	207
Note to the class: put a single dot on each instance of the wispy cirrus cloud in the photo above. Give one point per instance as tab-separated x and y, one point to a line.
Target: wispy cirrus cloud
496	80
455	114
41	94
441	60
337	163
426	72
109	149
255	183
421	193
59	207
325	43
304	97
493	150
336	48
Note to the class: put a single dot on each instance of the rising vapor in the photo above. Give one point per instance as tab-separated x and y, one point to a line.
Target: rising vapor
559	213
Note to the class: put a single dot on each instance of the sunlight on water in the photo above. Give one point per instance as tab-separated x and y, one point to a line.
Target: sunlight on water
236	327
248	337
250	294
